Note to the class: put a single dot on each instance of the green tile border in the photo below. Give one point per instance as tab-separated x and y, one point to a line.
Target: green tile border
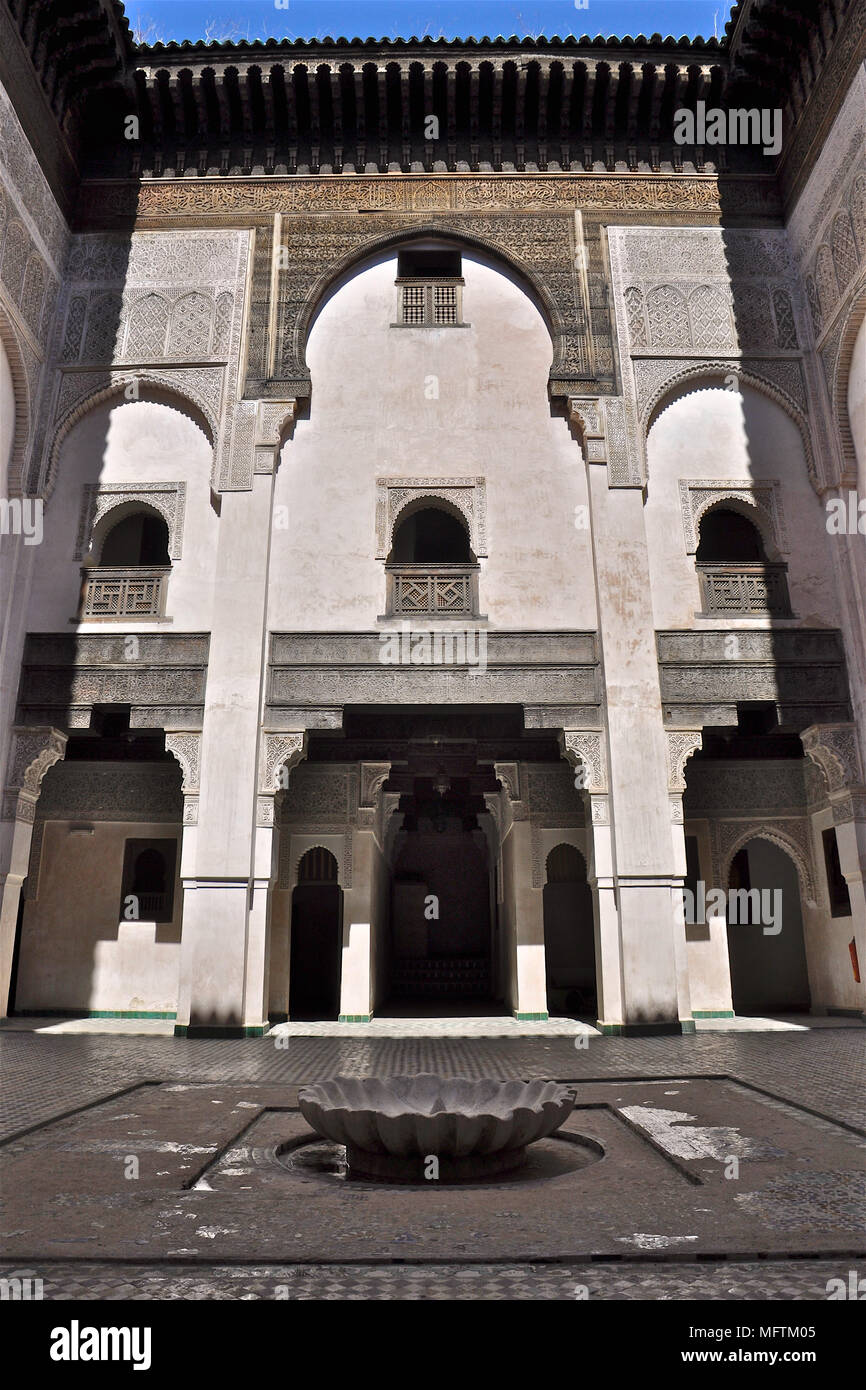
208	1030
91	1013
532	1018
355	1018
713	1013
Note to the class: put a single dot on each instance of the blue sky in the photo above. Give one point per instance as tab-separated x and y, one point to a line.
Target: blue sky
163	20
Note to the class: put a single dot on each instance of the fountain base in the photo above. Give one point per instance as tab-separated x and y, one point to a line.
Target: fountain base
364	1166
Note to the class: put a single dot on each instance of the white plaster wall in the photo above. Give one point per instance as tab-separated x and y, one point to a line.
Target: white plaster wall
857	405
129	443
370	417
830	971
707	942
7	418
738	435
76	953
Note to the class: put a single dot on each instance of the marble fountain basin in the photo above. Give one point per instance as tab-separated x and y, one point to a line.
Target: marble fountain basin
392	1126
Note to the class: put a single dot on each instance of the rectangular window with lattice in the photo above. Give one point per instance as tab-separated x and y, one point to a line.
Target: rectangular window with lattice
430	304
445	303
414	306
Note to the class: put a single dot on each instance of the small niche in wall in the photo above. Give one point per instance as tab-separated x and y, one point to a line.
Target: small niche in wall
148	881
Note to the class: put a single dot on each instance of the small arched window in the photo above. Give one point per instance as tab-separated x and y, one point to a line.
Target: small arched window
431	569
431	536
726	536
734	572
318	865
130	576
139	539
148	880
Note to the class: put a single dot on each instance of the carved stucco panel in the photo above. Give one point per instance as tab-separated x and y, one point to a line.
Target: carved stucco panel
97	501
697	495
278	751
586	750
833	747
681	746
468	495
793	836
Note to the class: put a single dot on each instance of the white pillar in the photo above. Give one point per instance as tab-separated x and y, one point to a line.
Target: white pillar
34	750
356	978
602	880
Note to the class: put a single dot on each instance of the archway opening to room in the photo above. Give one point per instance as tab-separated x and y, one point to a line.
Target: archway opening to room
441	927
316	938
569	935
101	924
765	932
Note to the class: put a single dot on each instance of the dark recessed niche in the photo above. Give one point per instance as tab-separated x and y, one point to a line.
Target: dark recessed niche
429	263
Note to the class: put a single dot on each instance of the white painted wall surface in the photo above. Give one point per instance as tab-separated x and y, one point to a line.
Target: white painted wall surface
126	444
370	417
738	435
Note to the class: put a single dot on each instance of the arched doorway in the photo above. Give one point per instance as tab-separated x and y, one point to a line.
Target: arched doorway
317	938
766	948
569	935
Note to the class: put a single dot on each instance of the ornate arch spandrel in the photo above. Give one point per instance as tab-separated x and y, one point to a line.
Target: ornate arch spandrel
833	748
183	398
759	501
102	507
687	378
34	750
465	496
729	837
21	431
545	263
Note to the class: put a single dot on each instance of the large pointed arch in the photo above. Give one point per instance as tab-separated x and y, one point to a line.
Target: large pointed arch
21	392
710	376
152	386
297	318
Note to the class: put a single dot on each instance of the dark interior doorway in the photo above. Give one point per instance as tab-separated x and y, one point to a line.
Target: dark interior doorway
768	955
440	909
569	935
317	938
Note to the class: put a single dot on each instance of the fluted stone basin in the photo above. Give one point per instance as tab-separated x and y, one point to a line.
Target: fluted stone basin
393	1126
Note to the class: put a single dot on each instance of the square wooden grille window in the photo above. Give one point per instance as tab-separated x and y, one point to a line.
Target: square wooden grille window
430	304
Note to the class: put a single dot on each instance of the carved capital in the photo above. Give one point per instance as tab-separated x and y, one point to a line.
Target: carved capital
278	751
186	750
373	778
681	745
585	750
834	748
34	750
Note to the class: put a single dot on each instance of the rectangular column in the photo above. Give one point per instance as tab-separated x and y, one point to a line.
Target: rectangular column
223	932
531	974
645	868
608	960
356	979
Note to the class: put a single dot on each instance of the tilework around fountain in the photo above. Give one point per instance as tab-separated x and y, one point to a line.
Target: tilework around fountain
784	1280
209	1185
49	1075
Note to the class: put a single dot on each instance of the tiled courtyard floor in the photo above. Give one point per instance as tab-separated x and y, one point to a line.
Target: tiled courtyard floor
821	1072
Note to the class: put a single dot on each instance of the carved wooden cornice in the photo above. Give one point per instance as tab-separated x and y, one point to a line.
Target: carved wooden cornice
150	203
